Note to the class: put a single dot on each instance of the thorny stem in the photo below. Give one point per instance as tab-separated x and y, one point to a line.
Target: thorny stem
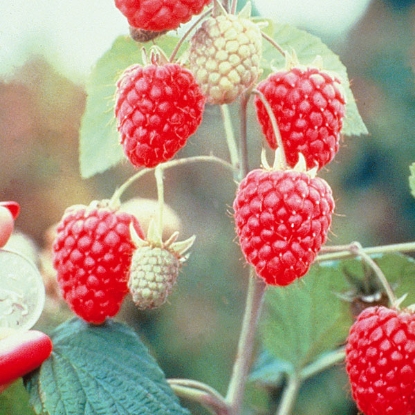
173	163
273	43
274	125
230	136
255	294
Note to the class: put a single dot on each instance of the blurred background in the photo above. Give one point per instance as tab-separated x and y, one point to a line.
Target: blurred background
47	48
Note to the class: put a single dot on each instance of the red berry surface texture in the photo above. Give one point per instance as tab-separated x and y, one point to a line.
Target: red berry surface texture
309	106
159	15
380	361
282	220
92	256
157	108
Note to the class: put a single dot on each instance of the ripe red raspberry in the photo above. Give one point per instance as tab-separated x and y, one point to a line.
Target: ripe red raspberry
157	108
282	219
309	106
380	361
92	255
159	15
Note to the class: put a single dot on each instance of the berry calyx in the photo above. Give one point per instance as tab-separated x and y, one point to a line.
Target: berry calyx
309	106
92	256
380	356
155	267
158	107
225	54
282	219
159	15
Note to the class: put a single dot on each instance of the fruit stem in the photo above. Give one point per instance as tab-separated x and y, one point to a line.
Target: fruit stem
356	249
274	124
289	395
187	33
343	251
243	148
206	396
273	43
233	7
254	300
173	163
326	361
158	173
230	136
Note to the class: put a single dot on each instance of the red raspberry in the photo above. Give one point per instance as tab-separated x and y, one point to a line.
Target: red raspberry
159	15
309	106
282	220
157	108
92	256
380	361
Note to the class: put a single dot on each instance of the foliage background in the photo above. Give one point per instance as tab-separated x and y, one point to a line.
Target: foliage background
195	335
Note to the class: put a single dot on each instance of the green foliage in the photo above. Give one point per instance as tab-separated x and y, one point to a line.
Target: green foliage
305	319
15	400
412	179
100	369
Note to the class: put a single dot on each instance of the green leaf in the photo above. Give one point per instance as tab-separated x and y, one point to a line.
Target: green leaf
307	47
99	147
305	319
412	179
15	400
100	370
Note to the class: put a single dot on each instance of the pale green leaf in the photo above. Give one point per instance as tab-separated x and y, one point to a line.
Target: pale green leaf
100	370
412	179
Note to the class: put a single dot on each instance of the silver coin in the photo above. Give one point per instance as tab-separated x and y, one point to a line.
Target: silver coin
22	292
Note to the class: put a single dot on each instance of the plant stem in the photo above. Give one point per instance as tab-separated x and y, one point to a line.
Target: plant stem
230	136
243	148
290	394
173	163
158	173
343	251
273	43
329	359
254	299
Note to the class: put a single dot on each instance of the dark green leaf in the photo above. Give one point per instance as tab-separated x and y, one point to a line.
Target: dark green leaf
307	47
15	400
99	147
100	370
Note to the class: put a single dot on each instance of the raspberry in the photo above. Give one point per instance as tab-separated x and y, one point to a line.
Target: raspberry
159	15
309	106
157	108
282	219
92	255
155	267
380	356
225	56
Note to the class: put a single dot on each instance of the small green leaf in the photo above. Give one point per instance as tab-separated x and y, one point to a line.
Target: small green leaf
305	319
412	179
15	400
100	370
307	47
99	147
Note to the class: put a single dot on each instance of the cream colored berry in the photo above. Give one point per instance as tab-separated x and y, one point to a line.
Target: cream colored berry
225	55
